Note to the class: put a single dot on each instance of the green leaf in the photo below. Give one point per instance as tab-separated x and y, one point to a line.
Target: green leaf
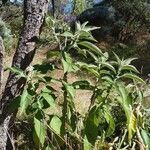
91	47
92	123
108	79
17	71
55	124
24	102
40	130
67	63
130	68
84	36
49	21
86	144
146	138
84	24
67	66
90	28
126	104
78	26
47	89
83	84
132	122
49	99
110	121
92	55
90	68
48	147
70	89
123	93
39	78
133	77
128	61
67	34
109	66
118	59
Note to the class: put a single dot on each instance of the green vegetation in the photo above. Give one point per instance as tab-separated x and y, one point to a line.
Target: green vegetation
116	115
135	17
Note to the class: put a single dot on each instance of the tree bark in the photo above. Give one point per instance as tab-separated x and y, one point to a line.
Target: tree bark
34	11
2	49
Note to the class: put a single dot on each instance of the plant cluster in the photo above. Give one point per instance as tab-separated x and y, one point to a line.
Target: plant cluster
5	33
135	17
114	119
9	24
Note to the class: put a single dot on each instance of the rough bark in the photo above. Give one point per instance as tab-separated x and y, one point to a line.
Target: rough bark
2	49
34	11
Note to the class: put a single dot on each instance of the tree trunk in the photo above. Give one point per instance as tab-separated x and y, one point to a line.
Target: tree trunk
2	49
34	11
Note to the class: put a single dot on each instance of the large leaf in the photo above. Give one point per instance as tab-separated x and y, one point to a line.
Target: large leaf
84	24
67	66
130	68
24	102
78	26
67	63
146	138
110	121
91	47
89	28
67	34
48	147
108	79
132	122
49	99
129	60
40	129
70	89
118	60
125	101
55	124
133	77
86	144
87	37
90	68
92	123
123	93
109	66
93	56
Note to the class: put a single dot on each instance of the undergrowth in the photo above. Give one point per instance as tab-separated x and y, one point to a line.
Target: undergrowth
115	118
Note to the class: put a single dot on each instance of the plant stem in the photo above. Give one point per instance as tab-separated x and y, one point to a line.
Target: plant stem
64	111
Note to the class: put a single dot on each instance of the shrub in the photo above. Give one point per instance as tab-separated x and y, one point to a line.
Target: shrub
135	17
114	119
5	33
